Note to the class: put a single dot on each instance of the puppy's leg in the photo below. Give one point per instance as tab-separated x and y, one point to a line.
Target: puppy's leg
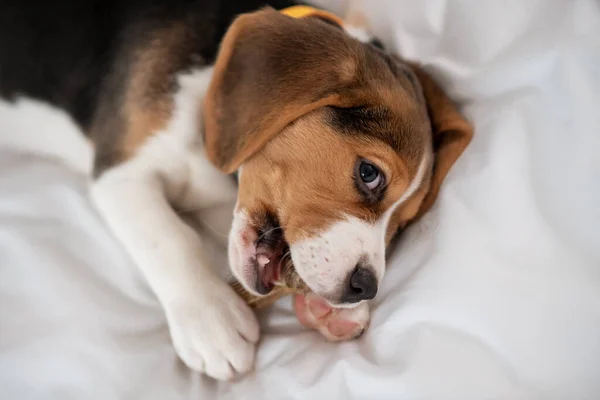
212	329
335	324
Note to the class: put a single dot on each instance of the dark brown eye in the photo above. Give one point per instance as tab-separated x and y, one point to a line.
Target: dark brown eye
370	175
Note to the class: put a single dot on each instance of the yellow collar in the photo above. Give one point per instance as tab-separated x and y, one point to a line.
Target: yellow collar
306	11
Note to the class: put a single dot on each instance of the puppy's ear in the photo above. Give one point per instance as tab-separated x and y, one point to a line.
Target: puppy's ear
271	70
451	133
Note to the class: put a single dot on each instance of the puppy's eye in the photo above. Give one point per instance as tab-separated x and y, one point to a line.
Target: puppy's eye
370	175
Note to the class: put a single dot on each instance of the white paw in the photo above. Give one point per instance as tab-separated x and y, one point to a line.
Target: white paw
214	332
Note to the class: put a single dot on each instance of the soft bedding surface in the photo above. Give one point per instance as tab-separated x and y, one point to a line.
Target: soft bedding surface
495	294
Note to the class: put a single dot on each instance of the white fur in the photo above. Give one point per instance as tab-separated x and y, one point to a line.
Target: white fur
44	130
212	329
412	188
324	261
242	250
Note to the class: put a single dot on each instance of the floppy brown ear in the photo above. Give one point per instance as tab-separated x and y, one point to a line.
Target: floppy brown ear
271	70
451	133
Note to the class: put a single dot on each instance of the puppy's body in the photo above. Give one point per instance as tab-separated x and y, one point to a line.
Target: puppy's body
136	76
133	74
113	65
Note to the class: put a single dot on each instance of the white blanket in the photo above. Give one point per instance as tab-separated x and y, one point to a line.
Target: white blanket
495	294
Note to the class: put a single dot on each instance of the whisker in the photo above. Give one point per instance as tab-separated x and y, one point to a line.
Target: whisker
262	236
214	230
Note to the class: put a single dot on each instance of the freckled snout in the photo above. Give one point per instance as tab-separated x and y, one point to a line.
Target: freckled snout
362	285
344	263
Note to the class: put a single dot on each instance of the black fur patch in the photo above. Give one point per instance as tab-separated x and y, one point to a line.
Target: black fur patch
368	121
63	52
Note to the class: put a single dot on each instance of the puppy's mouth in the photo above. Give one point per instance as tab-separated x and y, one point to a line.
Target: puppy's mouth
272	252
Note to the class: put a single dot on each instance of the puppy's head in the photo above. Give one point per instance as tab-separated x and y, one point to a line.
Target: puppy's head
337	145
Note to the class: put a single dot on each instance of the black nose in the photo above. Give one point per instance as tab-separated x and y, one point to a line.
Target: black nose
361	286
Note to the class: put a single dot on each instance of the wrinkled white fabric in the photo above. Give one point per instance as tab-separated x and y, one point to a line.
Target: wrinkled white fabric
495	294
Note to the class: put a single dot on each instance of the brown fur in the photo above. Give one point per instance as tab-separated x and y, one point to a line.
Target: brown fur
148	101
306	202
452	133
272	70
138	100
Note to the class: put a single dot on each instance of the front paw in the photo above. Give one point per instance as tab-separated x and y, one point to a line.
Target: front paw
214	332
336	324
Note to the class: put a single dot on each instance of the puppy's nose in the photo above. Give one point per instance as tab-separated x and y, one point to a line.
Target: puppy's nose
361	286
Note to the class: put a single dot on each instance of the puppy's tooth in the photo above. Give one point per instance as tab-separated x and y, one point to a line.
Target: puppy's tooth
262	260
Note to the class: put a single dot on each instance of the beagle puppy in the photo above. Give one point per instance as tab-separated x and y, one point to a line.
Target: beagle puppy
336	144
